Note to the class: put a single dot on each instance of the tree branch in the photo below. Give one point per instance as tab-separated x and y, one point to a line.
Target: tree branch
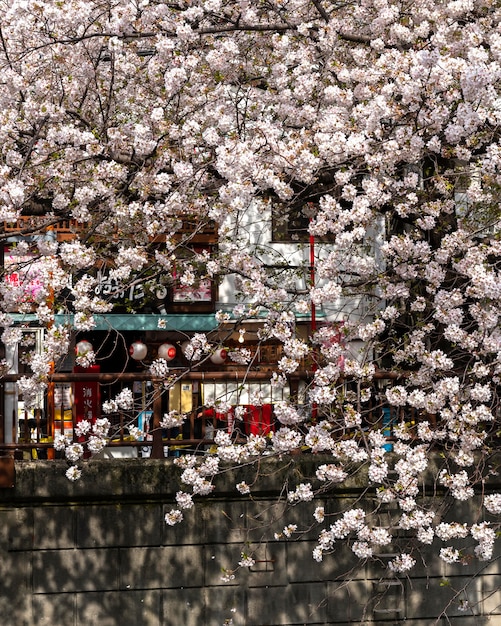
321	10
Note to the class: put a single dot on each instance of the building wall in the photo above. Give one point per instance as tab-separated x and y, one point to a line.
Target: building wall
254	232
98	552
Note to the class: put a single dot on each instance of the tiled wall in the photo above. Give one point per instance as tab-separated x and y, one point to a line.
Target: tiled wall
100	553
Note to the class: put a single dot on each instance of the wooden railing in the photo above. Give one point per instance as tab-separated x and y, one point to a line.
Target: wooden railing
33	432
64	229
68	229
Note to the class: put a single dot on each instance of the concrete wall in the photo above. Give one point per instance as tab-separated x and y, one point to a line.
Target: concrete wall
98	552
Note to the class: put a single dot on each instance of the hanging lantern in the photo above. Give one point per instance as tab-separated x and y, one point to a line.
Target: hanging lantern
83	347
167	352
219	356
138	350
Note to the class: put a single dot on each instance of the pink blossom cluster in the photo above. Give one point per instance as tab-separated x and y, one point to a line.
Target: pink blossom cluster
346	155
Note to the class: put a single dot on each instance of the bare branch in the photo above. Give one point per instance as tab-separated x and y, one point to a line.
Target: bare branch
321	10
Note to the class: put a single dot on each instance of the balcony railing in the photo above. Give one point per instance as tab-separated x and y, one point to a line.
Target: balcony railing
68	229
64	229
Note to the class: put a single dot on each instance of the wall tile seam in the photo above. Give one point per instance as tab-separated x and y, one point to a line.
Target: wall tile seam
167	499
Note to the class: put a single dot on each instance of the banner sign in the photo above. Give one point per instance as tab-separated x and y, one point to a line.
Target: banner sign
87	396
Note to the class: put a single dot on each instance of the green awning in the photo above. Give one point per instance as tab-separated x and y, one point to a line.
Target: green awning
136	321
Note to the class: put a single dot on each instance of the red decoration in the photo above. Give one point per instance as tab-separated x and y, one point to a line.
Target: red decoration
167	351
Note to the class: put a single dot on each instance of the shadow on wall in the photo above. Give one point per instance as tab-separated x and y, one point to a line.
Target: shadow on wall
77	562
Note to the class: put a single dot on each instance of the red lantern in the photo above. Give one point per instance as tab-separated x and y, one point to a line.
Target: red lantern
138	350
167	352
219	356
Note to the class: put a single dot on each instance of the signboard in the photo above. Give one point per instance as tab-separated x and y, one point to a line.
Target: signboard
200	292
87	397
23	272
139	291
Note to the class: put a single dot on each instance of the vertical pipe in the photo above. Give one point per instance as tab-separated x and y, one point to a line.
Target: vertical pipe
312	282
51	454
10	395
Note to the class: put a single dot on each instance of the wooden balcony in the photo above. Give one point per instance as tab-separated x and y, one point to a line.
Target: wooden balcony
26	225
68	229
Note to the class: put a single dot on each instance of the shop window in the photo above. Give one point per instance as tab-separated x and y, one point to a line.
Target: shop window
199	297
289	224
192	291
22	273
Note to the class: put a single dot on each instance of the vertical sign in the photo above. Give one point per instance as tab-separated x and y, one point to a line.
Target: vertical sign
87	397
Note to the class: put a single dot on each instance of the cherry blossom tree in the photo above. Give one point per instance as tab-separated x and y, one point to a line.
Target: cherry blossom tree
376	124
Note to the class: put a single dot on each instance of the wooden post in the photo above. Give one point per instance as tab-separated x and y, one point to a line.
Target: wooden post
157	450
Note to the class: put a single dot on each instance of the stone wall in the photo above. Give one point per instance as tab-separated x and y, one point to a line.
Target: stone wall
98	552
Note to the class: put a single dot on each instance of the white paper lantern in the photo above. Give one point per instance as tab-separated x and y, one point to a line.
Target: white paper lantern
219	356
138	350
167	351
83	347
